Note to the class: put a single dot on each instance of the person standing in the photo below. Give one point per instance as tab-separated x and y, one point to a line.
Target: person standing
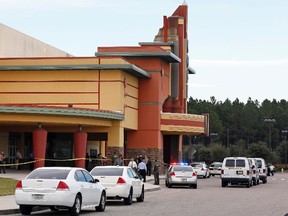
31	160
133	164
87	161
156	172
2	161
114	158
18	159
142	168
119	161
149	166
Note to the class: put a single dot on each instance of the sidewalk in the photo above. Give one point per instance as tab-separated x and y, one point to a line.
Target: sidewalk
9	206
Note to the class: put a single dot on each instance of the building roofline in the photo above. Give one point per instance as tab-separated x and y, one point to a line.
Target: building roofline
129	68
167	56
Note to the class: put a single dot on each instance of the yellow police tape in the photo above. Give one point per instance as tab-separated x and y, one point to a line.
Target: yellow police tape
62	160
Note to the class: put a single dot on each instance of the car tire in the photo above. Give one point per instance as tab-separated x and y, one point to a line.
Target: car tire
194	186
128	200
141	197
248	184
54	208
224	183
264	181
102	203
25	209
76	208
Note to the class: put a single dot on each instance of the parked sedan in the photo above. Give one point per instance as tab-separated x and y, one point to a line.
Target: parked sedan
181	174
215	168
121	182
201	169
60	187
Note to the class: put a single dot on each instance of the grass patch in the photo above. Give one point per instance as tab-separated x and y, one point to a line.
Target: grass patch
7	186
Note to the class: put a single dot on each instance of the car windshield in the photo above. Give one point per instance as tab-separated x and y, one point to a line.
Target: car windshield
107	171
49	174
182	168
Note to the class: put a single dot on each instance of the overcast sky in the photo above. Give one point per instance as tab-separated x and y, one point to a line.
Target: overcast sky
238	48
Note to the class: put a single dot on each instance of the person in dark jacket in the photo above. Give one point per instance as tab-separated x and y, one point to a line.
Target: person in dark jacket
156	172
149	166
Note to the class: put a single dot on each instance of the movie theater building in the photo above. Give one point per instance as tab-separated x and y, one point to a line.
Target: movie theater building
128	100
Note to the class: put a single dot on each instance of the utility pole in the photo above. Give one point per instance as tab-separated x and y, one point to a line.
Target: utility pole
285	138
270	121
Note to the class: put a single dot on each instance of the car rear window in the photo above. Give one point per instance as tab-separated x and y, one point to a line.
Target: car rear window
107	172
240	163
199	166
230	163
183	168
49	174
218	165
259	162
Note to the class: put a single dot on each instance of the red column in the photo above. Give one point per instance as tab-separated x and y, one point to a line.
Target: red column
39	146
80	143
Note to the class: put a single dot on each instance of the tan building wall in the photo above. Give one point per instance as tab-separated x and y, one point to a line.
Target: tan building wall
17	44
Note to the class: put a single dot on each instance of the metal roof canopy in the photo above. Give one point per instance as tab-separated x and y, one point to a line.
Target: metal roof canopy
167	56
129	68
62	112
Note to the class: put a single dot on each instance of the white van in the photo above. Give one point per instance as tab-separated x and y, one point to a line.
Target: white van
236	170
255	171
262	170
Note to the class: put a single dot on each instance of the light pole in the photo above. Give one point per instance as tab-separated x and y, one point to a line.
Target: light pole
270	121
285	138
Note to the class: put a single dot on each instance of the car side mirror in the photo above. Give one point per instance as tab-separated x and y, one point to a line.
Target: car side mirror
96	181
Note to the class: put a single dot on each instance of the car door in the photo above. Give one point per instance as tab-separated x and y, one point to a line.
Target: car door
84	189
136	182
94	192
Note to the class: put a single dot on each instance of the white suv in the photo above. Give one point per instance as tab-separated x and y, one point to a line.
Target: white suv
236	170
262	170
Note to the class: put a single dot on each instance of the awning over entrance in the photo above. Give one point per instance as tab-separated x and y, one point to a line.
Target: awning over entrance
179	123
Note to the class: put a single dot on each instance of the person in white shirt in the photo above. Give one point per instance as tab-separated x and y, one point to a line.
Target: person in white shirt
133	164
142	168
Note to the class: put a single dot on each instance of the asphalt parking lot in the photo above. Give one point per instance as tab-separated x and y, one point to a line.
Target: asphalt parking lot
209	199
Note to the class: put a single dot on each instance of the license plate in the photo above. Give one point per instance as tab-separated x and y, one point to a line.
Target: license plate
184	179
37	196
239	172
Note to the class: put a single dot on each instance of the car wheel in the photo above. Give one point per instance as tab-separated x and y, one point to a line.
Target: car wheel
265	181
102	204
224	183
76	208
194	186
248	184
25	209
141	197
54	208
128	200
213	175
